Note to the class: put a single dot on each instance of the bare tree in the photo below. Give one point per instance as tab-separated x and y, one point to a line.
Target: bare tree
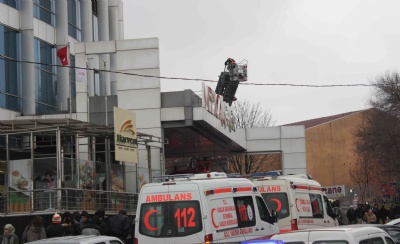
378	137
251	115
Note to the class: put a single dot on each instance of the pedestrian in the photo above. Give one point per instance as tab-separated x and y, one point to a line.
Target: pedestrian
118	225
369	217
76	217
93	227
55	229
383	214
68	224
85	219
9	236
34	231
102	216
375	210
351	216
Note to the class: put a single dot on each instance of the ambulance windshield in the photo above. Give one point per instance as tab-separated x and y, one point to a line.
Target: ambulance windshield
277	202
170	219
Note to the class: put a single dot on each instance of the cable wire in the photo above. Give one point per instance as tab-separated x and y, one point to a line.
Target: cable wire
188	79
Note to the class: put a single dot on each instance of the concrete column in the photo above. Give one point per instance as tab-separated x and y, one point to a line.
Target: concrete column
27	54
121	19
87	20
103	19
63	82
114	35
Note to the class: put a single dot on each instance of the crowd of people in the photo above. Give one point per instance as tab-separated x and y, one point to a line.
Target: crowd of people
367	214
69	224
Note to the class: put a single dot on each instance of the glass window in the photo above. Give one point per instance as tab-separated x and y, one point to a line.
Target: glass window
278	202
316	206
170	219
74	19
376	240
245	211
328	207
96	83
10	79
45	91
390	241
72	75
262	209
11	3
44	11
329	242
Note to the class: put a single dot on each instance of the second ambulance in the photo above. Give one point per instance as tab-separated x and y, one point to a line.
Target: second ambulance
299	202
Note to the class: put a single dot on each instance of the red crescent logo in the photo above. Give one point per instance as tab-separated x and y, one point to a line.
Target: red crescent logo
279	207
212	219
298	210
146	220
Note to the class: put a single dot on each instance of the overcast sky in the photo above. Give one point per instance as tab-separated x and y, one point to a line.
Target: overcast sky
316	42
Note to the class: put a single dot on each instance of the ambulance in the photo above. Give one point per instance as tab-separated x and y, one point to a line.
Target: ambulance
299	201
202	208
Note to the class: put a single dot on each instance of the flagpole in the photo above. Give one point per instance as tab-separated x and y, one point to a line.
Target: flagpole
70	88
105	94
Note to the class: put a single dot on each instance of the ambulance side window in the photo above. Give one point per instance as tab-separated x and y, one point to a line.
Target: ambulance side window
262	209
245	211
317	205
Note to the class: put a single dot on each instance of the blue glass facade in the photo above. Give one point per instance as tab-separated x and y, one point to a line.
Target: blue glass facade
74	19
10	80
11	3
45	77
44	11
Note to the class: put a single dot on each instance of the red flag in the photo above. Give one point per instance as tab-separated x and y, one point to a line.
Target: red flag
63	54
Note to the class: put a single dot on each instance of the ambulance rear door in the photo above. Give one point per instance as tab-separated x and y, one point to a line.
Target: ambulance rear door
275	195
171	214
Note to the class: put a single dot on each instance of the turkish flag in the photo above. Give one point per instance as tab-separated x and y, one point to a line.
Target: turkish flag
63	54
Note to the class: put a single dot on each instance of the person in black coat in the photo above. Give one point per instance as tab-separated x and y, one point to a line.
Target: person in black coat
118	225
55	229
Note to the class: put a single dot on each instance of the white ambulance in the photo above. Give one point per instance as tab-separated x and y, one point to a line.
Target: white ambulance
202	208
298	200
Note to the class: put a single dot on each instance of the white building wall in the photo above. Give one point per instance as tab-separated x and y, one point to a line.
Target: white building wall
135	93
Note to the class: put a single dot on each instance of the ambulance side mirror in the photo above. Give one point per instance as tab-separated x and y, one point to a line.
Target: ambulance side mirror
274	216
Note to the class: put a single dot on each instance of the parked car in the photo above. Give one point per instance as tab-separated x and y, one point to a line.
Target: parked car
80	240
394	222
392	230
347	234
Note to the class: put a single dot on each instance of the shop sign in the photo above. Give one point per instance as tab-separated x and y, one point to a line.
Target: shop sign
126	147
335	191
215	105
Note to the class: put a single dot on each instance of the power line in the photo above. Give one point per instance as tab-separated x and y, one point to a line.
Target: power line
188	79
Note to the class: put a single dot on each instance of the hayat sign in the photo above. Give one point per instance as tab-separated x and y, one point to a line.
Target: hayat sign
126	147
335	191
215	104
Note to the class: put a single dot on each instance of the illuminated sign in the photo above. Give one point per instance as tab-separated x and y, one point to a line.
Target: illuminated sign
215	105
126	147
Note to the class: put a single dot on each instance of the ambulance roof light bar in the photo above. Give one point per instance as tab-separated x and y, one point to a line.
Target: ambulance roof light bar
210	175
173	177
301	176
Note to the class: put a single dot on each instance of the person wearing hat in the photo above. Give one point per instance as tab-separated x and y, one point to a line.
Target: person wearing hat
55	229
9	236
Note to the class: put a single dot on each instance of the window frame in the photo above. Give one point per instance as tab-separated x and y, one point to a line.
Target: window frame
247	201
38	9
